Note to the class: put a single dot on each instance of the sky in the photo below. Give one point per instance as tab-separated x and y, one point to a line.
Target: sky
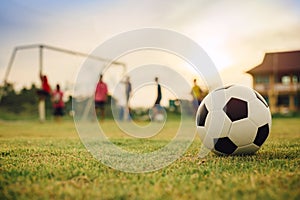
235	34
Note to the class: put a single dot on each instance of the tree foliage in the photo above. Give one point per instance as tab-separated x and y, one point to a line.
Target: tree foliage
23	103
17	102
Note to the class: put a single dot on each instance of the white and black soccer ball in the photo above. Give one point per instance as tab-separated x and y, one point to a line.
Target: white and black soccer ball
233	120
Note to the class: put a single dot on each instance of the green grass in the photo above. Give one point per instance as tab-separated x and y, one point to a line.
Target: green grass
48	161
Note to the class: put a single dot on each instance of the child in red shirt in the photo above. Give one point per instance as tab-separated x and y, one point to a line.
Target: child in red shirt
101	97
58	103
43	93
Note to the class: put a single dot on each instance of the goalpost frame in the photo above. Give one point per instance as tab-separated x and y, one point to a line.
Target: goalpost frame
58	49
41	47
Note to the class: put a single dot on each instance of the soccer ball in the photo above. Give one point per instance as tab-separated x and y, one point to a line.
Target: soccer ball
233	120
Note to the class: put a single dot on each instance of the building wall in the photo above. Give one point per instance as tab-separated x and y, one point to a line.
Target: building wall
282	92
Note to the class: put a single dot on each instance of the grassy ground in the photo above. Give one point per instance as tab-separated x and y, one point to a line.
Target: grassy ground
48	161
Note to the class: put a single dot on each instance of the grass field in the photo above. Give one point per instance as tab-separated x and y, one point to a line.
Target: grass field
48	161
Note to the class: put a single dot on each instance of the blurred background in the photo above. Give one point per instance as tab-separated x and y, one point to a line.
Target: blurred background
254	43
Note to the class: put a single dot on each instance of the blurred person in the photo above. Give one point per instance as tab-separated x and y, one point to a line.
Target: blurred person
128	91
159	96
123	95
197	95
43	93
120	96
157	109
101	97
58	103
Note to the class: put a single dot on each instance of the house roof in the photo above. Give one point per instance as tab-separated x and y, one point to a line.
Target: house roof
279	62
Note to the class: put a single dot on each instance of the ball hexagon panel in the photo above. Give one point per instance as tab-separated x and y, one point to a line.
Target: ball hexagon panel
216	100
208	142
202	132
217	124
241	92
224	88
236	109
224	145
259	97
201	115
259	113
243	132
262	134
247	149
207	102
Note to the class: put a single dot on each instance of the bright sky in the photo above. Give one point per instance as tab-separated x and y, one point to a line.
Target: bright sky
234	33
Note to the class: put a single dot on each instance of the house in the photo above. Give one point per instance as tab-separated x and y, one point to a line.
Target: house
277	78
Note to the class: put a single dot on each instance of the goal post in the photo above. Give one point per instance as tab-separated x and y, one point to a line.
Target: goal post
58	49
